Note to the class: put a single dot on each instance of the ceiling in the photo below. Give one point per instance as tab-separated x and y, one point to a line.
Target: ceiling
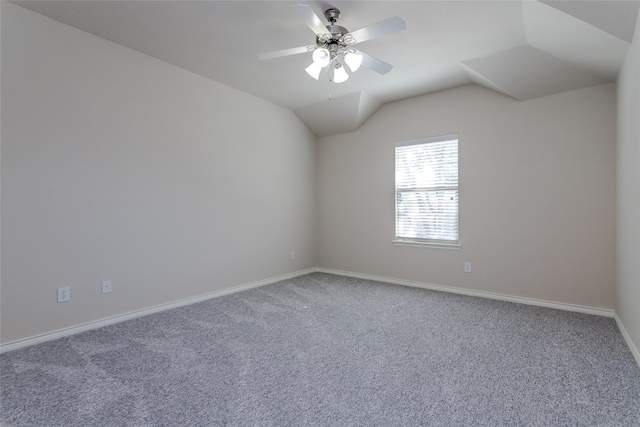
523	49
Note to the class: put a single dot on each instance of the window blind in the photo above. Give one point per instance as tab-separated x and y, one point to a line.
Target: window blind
427	190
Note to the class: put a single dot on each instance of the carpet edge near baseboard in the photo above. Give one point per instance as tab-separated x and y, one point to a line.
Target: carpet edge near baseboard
502	297
627	338
482	294
95	324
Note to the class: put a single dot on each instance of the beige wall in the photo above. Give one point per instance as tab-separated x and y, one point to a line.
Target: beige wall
628	194
537	194
118	166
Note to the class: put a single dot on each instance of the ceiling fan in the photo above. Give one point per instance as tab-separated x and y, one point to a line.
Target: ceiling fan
333	45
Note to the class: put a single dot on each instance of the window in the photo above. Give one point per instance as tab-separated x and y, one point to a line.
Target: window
427	191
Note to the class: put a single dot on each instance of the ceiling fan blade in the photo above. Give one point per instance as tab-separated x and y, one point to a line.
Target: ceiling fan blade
388	26
284	52
311	19
375	64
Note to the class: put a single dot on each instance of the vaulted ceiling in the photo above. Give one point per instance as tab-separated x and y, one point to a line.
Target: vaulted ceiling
521	48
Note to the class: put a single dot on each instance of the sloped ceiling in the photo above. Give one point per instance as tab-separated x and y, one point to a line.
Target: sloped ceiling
523	49
616	20
524	72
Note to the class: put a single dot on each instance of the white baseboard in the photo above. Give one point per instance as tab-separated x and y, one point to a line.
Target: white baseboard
627	338
14	345
482	294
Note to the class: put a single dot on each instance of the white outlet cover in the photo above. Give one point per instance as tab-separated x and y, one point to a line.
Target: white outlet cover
64	294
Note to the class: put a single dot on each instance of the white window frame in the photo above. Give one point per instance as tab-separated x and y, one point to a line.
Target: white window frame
408	241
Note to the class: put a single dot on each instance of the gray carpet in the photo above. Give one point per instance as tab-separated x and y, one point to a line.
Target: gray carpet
324	350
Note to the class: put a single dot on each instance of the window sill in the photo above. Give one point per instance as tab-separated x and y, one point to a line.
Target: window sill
451	246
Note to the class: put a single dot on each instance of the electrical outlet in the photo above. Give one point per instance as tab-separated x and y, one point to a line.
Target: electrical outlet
467	267
106	286
64	294
293	254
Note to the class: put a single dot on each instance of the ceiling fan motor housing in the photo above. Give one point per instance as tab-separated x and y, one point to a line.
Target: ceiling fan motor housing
337	41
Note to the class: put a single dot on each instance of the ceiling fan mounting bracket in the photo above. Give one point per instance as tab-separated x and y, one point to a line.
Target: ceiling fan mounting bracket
332	15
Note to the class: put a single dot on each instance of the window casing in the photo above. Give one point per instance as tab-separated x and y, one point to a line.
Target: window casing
427	192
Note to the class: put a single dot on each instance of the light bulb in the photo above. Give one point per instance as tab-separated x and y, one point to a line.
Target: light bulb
314	70
339	74
353	60
321	57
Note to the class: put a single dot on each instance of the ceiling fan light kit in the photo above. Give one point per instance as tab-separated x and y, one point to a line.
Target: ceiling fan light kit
321	57
333	44
314	70
353	60
339	74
